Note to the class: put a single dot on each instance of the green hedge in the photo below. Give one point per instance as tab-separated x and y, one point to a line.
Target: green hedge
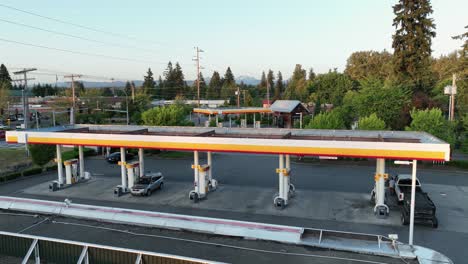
459	163
73	154
12	176
51	168
32	171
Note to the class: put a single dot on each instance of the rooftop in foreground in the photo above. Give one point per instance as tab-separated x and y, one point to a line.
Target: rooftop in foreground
314	142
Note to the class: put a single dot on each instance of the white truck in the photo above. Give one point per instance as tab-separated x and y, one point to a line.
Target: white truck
401	184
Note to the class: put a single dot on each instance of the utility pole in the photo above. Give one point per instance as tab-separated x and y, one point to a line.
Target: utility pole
451	90
25	94
72	110
268	93
245	102
238	97
197	59
133	91
452	97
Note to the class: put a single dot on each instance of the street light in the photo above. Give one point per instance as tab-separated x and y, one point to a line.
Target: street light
413	192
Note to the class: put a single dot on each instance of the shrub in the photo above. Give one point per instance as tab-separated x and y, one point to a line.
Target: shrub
42	154
371	122
32	171
51	168
12	176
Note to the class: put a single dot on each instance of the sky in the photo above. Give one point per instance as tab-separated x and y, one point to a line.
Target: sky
249	36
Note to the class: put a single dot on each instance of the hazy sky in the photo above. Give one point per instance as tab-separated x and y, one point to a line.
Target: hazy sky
250	36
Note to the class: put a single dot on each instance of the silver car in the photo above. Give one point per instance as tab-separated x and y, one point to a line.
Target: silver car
146	185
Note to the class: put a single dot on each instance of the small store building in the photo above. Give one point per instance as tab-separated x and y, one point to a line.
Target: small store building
286	111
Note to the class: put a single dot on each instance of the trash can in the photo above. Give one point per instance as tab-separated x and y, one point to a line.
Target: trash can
118	191
53	186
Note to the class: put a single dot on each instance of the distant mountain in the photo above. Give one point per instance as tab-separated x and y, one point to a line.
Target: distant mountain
249	80
119	84
87	84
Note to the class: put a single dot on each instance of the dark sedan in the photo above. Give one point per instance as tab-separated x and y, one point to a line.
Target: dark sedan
115	157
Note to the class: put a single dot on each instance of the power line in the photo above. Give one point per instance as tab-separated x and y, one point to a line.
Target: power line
72	36
78	52
122	36
66	22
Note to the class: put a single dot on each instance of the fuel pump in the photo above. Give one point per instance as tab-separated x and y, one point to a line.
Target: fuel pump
71	171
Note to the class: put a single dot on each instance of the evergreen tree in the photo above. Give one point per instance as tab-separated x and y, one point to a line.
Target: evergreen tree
180	87
128	88
279	87
229	86
462	76
5	78
311	74
270	80
229	79
160	82
297	87
148	83
412	43
214	87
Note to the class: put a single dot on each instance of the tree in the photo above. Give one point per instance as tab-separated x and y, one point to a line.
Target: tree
462	75
141	103
331	87
178	81
312	75
173	115
433	122
214	88
464	134
229	86
5	78
371	122
389	101
297	87
327	120
279	87
128	88
107	92
412	42
203	87
369	64
148	82
270	81
41	154
262	86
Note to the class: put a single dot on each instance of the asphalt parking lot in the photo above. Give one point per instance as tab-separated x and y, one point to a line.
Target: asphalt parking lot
330	196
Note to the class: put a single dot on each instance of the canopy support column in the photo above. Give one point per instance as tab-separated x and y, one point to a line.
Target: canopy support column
281	200
81	161
123	169
59	165
141	160
380	209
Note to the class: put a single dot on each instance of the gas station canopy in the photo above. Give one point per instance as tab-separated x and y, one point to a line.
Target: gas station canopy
227	111
307	142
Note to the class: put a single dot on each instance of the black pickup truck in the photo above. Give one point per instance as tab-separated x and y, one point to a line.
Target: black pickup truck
424	210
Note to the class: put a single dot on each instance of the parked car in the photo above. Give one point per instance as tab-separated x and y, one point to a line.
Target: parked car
3	126
2	134
148	184
424	207
115	157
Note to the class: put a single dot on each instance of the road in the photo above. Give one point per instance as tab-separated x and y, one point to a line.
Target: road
259	171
